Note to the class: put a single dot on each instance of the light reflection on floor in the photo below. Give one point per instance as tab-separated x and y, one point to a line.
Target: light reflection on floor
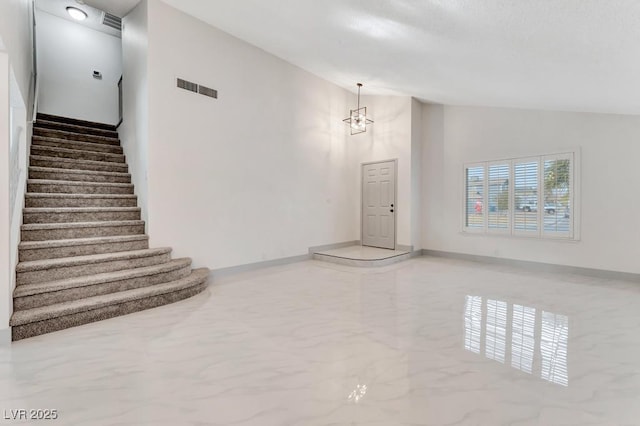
534	336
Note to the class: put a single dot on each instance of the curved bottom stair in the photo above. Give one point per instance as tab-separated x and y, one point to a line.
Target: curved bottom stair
84	255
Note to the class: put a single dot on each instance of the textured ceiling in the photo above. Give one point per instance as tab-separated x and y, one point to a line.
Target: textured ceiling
114	7
576	55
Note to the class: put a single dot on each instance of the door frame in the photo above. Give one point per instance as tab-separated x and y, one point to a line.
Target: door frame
395	200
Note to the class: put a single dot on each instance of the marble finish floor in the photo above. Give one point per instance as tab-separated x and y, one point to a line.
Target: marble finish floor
427	341
362	253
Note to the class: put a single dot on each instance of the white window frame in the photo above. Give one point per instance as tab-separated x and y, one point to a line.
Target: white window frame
484	199
574	197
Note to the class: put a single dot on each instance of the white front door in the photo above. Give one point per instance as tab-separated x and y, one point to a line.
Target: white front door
378	204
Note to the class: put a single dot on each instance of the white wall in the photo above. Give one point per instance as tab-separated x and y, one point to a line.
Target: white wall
609	180
389	137
134	130
262	172
67	55
16	68
15	39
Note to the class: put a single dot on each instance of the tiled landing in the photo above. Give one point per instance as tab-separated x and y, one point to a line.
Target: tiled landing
362	256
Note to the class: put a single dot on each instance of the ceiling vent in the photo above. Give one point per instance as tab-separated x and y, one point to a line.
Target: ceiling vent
187	85
112	21
197	88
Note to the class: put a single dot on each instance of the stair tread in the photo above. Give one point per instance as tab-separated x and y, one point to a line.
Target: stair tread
39	265
78	183
67	160
66	195
78	151
76	171
80	144
41	226
61	119
42	123
72	134
32	245
79	209
102	278
67	308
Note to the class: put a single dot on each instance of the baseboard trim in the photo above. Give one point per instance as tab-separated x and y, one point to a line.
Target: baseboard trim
248	267
537	266
316	249
5	336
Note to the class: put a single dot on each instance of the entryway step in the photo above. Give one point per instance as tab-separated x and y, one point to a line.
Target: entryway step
66	231
51	173
29	296
69	127
49	151
61	134
79	214
39	271
31	322
75	187
82	146
78	122
55	249
80	200
77	164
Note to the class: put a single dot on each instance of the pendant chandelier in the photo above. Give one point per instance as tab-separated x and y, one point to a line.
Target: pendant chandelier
357	119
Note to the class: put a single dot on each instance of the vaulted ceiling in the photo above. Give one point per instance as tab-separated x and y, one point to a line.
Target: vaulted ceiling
576	55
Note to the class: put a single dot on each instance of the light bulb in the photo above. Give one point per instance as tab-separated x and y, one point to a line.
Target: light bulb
76	13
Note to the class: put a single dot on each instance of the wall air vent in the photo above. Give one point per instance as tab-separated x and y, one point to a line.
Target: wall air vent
197	88
187	85
208	91
112	21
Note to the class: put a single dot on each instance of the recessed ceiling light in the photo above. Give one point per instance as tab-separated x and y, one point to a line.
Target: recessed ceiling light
77	14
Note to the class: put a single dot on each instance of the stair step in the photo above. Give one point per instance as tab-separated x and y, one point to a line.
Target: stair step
69	127
51	173
32	322
77	164
38	271
75	187
55	249
82	146
85	123
66	231
79	214
80	200
52	151
29	296
61	134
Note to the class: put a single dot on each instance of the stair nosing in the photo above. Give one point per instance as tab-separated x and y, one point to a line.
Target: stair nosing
81	160
63	262
102	278
79	209
52	244
78	183
65	195
71	151
68	225
77	171
57	310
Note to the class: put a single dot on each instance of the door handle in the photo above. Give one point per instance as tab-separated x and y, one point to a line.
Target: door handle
391	210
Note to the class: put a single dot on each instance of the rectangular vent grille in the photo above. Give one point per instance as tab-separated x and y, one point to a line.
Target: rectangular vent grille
197	88
112	21
187	85
208	91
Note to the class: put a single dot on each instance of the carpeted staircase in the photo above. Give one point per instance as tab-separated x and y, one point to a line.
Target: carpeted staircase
84	255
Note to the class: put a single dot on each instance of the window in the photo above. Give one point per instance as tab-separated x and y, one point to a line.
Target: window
531	196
